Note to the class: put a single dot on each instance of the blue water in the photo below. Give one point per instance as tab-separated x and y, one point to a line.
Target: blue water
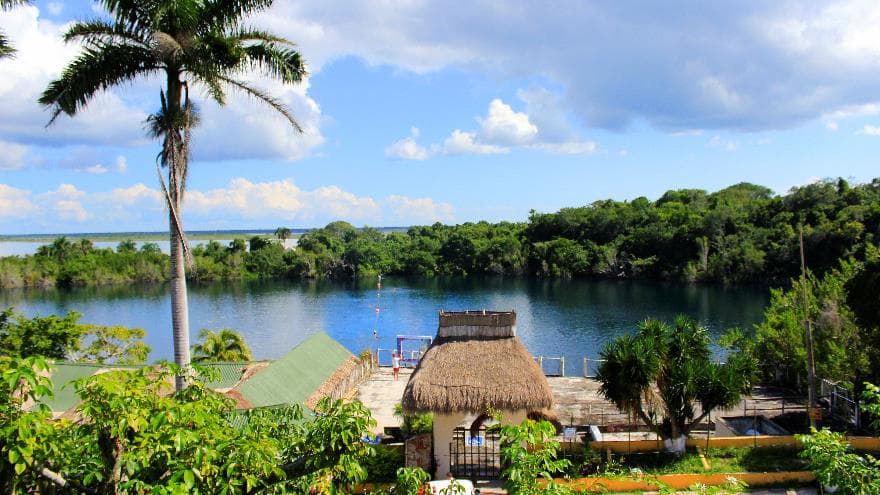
554	318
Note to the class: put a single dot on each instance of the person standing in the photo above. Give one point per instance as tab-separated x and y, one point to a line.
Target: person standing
395	364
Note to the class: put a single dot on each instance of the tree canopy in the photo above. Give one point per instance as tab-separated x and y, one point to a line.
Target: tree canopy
662	370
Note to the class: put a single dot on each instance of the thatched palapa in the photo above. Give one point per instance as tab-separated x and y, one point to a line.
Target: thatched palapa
476	362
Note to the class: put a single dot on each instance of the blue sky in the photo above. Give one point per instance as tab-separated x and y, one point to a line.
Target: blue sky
421	111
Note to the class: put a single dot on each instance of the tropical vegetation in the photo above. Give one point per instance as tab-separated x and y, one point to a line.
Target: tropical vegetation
225	345
64	338
659	373
842	308
835	464
137	435
199	42
6	48
740	234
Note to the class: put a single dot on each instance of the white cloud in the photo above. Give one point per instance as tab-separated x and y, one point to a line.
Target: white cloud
12	156
248	128
504	126
243	128
96	169
242	203
724	144
734	65
833	118
407	148
15	203
55	8
870	130
417	210
121	164
569	148
64	203
504	129
460	143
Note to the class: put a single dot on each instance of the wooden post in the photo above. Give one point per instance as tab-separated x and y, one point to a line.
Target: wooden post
811	364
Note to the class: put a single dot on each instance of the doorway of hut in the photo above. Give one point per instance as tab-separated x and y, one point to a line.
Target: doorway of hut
475	453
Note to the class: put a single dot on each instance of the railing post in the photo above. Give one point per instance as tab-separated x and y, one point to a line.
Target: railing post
541	363
562	366
586	368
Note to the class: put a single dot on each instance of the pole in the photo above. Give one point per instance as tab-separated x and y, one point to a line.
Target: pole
811	364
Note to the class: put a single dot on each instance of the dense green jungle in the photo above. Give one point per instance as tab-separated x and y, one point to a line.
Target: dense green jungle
741	234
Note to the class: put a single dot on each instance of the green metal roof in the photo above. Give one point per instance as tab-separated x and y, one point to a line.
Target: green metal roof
296	375
63	376
229	373
288	380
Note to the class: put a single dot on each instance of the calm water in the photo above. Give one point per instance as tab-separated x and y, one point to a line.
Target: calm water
571	318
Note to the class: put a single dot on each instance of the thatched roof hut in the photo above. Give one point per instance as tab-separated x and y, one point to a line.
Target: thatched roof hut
477	362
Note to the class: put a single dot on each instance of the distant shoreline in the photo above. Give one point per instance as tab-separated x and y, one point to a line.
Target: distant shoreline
195	235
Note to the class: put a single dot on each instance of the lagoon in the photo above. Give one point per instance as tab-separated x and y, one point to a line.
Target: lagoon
573	318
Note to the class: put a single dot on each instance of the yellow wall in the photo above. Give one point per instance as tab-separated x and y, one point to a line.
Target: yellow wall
682	481
624	447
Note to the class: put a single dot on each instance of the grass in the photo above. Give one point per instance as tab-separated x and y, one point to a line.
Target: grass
729	460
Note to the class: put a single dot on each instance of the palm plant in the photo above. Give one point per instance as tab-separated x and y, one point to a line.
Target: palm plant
185	41
282	233
662	371
6	49
225	345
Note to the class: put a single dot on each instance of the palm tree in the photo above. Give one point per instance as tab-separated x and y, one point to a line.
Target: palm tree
282	233
6	49
659	373
226	345
184	41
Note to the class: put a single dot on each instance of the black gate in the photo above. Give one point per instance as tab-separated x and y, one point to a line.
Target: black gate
475	457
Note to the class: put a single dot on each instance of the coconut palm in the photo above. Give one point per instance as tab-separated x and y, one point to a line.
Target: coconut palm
282	233
225	345
662	371
185	42
6	49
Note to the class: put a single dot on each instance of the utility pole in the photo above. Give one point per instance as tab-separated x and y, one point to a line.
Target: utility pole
811	364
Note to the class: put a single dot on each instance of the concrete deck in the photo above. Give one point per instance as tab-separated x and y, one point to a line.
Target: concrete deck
576	401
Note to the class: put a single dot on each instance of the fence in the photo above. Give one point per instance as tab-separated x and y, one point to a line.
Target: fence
410	360
560	368
841	403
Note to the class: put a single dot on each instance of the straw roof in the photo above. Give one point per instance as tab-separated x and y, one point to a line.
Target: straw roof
475	363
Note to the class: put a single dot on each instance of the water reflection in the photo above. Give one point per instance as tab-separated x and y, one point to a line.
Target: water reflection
555	317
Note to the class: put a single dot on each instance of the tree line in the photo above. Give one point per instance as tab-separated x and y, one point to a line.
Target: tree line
740	234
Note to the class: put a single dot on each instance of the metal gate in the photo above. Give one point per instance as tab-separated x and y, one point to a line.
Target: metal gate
475	457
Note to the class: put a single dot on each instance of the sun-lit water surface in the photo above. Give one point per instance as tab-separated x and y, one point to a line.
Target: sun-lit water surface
554	317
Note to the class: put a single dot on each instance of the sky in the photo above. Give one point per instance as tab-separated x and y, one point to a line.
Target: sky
419	111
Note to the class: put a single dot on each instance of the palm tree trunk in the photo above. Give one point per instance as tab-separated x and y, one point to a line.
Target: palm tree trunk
176	169
179	302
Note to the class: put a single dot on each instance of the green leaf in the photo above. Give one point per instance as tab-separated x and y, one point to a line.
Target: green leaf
189	478
19	468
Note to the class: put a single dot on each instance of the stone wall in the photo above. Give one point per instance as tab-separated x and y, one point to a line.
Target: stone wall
419	452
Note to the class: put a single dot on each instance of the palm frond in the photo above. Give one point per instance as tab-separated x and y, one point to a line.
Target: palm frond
226	14
8	4
277	61
248	34
96	33
262	96
95	70
134	16
6	49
